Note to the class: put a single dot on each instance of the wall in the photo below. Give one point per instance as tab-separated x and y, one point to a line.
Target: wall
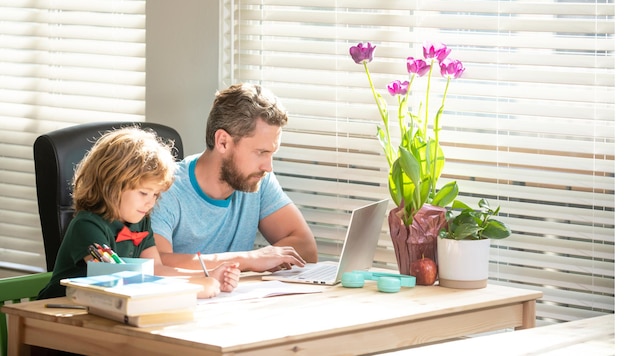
182	72
182	66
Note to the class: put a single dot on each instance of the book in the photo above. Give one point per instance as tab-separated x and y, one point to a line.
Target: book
132	293
167	317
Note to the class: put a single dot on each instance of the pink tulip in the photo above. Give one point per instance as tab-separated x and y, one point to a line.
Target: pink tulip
398	88
361	53
451	68
419	67
435	50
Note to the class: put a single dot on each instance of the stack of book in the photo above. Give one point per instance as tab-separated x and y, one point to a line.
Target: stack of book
134	298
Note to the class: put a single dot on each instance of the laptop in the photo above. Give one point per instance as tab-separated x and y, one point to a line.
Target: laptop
357	252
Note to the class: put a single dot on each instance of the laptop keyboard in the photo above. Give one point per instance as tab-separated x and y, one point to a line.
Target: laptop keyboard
320	272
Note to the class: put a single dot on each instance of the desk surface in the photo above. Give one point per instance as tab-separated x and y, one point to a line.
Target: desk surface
338	320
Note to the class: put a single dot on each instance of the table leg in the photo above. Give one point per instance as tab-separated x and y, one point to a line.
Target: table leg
15	344
528	315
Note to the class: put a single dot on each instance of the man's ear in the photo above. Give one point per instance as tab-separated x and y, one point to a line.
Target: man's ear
222	140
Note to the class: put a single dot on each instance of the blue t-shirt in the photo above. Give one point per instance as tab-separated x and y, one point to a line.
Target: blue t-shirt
194	222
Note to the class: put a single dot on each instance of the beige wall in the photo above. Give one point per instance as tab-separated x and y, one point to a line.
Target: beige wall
4	273
181	73
182	66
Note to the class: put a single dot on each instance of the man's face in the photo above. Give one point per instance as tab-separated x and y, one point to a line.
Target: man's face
251	158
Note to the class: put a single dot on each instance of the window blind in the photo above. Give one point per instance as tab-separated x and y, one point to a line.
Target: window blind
530	125
62	63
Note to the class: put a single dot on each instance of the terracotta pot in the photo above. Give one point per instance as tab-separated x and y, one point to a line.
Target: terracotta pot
411	242
463	264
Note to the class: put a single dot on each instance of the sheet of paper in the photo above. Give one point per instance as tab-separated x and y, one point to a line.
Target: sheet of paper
262	290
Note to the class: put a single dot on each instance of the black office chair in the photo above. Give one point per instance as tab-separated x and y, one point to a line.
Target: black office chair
56	155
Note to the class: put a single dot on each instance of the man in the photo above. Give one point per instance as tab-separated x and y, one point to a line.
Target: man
221	197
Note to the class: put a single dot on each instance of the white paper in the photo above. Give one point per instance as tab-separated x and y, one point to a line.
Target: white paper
262	290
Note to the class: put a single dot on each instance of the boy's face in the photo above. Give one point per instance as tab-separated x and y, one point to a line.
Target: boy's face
137	203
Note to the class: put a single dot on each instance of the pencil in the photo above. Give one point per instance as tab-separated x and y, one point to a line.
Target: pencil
65	306
206	273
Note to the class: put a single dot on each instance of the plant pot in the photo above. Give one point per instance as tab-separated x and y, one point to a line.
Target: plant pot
410	243
463	264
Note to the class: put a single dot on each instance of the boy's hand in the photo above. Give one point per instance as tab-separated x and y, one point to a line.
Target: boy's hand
228	276
211	286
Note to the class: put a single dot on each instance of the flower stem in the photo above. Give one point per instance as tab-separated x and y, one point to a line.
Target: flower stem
436	130
383	115
430	72
406	99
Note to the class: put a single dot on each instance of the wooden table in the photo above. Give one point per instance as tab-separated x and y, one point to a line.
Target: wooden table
337	321
591	336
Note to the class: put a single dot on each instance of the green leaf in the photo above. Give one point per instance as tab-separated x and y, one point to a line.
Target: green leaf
495	212
410	166
459	205
495	229
465	231
395	183
408	191
424	191
435	154
446	194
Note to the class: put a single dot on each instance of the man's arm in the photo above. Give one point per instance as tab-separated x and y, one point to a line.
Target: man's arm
292	240
287	227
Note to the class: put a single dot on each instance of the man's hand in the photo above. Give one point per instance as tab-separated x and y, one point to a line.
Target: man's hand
274	258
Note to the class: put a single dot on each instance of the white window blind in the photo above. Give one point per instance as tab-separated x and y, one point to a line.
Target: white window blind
62	62
530	125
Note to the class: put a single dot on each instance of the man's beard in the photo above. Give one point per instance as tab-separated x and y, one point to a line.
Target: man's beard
233	176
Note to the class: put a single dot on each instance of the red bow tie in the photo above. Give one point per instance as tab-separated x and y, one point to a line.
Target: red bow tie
126	234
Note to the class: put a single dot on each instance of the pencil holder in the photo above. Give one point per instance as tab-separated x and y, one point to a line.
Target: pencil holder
143	265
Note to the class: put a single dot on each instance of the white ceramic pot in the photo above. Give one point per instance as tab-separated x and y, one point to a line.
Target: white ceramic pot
463	264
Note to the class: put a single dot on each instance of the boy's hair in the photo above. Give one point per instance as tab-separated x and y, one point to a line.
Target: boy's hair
237	108
121	160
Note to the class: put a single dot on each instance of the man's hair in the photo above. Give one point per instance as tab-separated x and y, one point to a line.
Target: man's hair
237	109
121	160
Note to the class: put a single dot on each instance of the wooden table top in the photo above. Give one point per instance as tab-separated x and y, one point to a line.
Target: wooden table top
251	324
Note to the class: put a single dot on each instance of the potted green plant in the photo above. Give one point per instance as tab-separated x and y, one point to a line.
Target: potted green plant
415	157
463	247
